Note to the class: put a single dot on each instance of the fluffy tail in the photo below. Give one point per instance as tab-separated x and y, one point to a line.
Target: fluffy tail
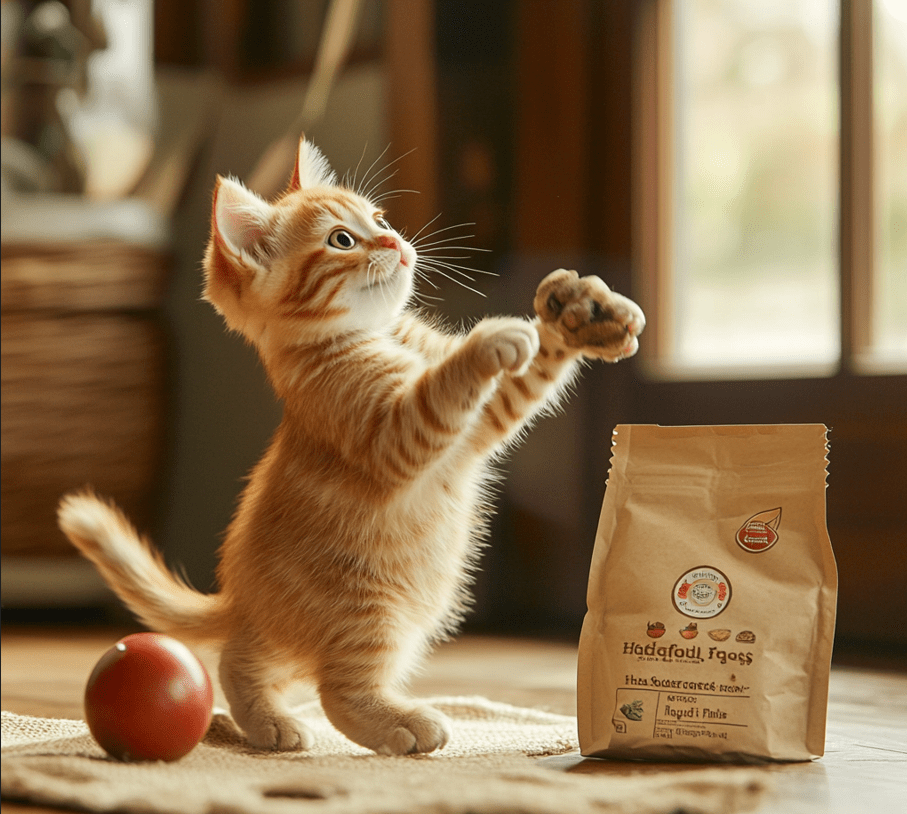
136	572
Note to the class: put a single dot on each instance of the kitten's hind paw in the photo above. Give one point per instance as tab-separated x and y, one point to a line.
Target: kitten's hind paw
588	316
385	725
422	730
280	734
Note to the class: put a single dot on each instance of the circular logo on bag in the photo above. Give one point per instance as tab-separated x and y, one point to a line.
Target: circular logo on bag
702	592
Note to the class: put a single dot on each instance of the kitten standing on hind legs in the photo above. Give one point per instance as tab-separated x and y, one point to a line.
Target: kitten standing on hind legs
352	546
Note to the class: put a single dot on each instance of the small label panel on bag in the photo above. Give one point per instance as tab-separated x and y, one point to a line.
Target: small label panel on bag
675	715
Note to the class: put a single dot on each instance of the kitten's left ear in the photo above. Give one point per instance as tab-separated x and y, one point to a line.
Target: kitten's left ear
242	220
312	168
241	226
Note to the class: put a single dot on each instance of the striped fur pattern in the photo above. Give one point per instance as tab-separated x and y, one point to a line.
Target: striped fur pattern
352	546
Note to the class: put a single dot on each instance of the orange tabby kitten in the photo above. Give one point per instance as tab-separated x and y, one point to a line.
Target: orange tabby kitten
353	543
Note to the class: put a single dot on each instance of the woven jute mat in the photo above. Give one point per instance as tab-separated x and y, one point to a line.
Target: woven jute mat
490	766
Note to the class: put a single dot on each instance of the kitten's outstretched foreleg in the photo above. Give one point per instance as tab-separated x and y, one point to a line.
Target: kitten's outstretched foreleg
430	417
519	398
577	316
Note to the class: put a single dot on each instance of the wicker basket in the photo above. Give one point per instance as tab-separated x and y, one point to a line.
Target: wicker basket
83	384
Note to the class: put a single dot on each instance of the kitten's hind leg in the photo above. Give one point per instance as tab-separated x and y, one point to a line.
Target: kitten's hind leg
356	698
255	703
383	721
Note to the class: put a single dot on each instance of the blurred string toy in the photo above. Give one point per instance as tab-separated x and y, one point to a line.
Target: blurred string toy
269	175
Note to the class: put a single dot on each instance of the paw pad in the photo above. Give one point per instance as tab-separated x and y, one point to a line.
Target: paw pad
588	315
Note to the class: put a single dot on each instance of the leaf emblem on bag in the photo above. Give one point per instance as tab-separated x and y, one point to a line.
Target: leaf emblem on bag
760	532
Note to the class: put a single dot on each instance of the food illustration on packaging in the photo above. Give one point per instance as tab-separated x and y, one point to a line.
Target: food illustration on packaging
701	593
760	532
655	629
691	631
632	711
746	636
720	635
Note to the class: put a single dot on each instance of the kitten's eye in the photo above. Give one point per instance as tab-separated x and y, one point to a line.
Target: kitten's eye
341	239
383	223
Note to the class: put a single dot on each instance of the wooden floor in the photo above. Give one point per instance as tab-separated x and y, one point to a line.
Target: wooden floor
864	769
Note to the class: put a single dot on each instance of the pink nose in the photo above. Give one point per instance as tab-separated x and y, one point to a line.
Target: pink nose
388	242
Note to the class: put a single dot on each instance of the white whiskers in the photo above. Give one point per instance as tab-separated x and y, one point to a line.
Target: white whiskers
438	251
373	178
436	255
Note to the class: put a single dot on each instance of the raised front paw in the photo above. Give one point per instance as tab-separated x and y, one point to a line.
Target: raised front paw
588	316
504	343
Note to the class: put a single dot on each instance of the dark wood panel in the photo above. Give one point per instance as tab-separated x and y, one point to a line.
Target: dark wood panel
551	186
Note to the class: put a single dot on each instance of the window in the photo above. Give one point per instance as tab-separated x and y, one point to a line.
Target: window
890	46
774	186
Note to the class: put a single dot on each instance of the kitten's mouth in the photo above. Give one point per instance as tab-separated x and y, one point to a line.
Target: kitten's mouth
379	282
384	277
387	269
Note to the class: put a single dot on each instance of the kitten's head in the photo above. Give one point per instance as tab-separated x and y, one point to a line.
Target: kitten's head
317	262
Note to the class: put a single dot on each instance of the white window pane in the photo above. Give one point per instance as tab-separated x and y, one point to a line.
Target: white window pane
756	278
890	76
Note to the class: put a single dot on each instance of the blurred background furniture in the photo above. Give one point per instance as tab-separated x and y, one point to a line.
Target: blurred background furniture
84	380
85	266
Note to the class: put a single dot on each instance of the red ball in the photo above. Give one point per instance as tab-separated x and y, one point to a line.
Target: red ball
148	698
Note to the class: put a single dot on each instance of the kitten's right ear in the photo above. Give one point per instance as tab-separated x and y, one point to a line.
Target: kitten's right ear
311	169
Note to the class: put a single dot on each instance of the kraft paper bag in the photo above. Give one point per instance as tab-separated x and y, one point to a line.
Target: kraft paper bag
711	602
